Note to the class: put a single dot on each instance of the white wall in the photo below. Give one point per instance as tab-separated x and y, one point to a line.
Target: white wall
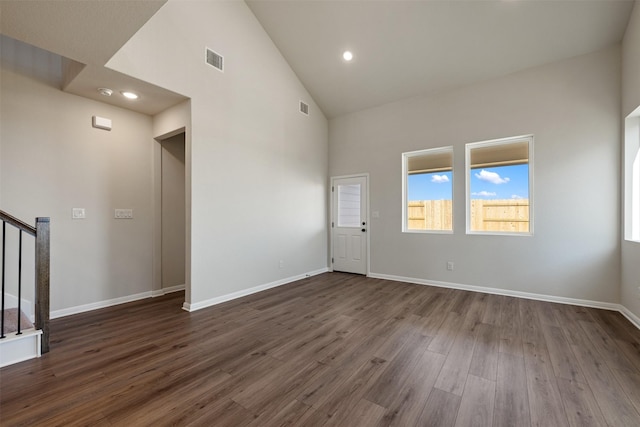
52	161
258	166
573	108
629	293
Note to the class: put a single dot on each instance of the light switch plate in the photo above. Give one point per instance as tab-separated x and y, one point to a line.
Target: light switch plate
124	214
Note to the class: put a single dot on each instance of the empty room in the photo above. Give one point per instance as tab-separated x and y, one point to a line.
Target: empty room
320	213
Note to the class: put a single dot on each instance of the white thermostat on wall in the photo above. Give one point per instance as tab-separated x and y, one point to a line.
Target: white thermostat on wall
101	123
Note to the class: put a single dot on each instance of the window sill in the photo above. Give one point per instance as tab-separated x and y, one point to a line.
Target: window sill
428	231
498	233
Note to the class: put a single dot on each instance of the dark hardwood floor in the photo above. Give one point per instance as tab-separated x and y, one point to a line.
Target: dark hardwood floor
333	350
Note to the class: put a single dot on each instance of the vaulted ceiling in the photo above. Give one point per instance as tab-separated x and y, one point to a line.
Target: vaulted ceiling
408	48
401	48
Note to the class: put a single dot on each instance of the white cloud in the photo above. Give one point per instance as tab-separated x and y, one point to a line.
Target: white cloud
491	177
484	194
515	196
439	179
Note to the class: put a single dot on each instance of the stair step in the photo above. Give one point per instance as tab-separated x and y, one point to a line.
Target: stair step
17	348
11	321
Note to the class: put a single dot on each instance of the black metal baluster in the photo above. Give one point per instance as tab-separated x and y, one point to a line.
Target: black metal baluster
4	227
19	281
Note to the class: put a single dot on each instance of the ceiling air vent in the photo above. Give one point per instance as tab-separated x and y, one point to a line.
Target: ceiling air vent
304	108
215	60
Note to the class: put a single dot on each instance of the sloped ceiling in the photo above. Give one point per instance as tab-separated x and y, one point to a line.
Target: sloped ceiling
402	48
85	35
90	32
408	48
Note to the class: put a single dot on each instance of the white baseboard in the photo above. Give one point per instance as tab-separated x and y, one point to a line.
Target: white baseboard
635	320
630	316
168	290
527	295
100	304
228	297
188	307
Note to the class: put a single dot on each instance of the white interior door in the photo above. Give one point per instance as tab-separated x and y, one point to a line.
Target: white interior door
349	228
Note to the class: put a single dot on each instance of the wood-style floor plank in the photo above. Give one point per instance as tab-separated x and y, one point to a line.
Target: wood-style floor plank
512	401
445	336
333	350
614	404
476	406
440	410
630	383
407	408
364	413
607	347
563	360
580	405
510	327
348	392
484	362
545	403
389	385
453	374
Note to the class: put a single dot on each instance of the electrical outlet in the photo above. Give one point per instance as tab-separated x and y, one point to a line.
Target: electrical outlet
78	213
450	265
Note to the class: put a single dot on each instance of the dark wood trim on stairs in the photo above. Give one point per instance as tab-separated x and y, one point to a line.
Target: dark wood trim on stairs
43	293
41	232
21	225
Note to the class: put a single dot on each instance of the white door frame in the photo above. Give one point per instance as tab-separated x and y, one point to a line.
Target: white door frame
331	219
156	284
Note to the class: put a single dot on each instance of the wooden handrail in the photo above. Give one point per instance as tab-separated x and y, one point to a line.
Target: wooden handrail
42	262
17	223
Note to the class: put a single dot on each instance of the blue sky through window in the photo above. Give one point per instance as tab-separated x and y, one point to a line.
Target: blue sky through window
430	186
503	182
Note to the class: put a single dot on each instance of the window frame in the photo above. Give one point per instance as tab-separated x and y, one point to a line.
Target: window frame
405	188
468	170
631	177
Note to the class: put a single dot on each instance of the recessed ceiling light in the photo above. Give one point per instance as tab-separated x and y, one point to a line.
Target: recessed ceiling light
347	55
130	95
105	91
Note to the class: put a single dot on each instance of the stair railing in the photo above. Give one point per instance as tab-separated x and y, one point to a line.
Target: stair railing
41	234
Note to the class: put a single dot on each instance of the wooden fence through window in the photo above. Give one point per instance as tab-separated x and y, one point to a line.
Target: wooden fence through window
511	215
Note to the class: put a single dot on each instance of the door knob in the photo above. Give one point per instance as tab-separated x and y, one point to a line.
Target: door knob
364	229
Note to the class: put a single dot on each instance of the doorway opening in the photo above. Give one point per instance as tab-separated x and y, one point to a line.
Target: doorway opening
172	213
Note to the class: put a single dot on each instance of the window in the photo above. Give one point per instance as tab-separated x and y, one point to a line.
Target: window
349	205
499	183
632	177
427	204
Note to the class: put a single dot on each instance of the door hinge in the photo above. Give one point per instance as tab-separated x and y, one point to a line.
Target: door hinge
332	224
332	188
331	260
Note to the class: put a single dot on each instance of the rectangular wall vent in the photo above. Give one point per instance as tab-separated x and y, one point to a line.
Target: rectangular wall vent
215	60
304	108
